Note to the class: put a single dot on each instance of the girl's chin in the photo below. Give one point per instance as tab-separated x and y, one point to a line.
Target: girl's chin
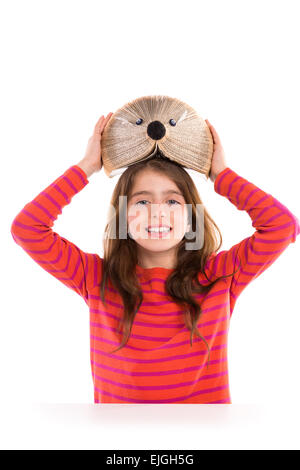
159	243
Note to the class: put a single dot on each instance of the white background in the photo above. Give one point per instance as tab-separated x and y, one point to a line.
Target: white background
64	63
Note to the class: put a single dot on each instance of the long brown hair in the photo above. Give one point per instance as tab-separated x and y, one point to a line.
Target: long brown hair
120	255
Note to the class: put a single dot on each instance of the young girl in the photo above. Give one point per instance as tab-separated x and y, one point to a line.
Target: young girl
159	310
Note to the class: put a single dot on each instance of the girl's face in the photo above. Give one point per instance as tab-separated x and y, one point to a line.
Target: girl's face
158	202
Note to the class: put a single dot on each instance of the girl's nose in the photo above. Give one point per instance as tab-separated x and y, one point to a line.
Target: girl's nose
158	209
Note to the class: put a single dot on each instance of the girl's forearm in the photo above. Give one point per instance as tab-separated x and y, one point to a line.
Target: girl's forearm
86	167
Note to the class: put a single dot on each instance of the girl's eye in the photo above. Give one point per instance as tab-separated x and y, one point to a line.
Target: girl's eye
147	201
139	202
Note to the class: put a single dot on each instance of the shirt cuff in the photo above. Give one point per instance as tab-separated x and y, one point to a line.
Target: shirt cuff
219	176
83	173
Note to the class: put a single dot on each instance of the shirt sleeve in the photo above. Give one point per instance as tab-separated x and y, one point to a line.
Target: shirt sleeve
275	228
32	230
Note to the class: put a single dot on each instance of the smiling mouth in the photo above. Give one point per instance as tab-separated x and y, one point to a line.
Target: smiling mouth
158	234
165	229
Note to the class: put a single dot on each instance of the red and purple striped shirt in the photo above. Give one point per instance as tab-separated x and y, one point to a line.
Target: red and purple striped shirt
158	365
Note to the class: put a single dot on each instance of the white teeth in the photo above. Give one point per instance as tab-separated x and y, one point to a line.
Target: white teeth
162	229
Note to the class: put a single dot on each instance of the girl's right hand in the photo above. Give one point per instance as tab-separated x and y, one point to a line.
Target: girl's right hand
92	160
218	162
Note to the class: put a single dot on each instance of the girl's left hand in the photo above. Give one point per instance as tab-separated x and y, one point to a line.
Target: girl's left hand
218	163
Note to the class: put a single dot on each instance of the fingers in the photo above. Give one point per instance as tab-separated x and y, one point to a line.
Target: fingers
101	123
106	120
98	124
214	132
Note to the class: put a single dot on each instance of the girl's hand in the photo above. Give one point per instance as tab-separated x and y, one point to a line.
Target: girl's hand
92	160
218	163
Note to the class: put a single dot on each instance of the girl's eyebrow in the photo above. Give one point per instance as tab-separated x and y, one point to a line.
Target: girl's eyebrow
168	191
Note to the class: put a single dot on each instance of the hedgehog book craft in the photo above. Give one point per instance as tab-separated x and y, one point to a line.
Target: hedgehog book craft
158	125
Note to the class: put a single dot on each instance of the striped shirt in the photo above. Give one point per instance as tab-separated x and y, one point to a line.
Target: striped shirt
158	364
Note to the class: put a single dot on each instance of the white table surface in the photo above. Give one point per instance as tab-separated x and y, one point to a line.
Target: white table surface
118	426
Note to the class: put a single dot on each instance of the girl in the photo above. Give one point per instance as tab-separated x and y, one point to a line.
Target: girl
159	311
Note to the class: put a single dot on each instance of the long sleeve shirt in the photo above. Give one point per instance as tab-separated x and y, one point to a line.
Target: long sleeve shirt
158	364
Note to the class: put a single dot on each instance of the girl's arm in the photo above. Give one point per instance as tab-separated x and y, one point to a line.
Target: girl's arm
32	230
276	227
